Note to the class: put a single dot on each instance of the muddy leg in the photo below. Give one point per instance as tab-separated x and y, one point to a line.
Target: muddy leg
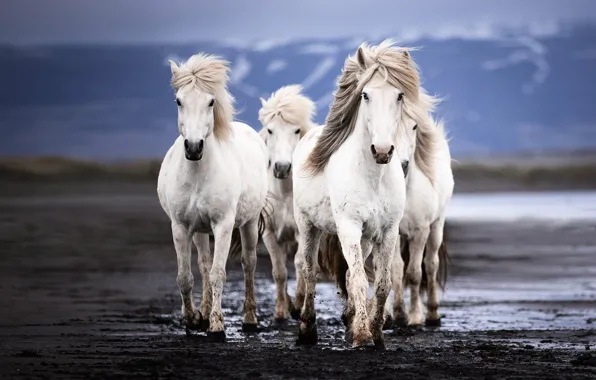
249	234
350	235
309	245
280	276
300	284
382	259
400	316
414	275
217	277
185	279
431	261
205	259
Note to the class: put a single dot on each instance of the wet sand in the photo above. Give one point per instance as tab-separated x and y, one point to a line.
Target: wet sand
88	290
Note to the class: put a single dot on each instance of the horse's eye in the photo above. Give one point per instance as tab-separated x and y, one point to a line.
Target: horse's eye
297	131
178	102
416	126
212	102
400	97
270	131
365	96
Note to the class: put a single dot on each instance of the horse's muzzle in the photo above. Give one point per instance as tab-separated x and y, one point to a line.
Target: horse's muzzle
382	154
193	151
281	170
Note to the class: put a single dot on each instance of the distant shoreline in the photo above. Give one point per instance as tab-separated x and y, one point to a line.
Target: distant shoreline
471	176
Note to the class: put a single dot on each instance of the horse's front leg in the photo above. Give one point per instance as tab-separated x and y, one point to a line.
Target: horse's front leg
217	276
414	275
185	279
350	235
308	247
249	234
280	276
205	260
382	256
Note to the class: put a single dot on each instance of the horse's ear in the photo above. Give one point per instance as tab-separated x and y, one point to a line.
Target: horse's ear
360	58
263	101
406	54
173	67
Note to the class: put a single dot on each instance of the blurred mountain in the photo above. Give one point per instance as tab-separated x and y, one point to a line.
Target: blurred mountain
503	93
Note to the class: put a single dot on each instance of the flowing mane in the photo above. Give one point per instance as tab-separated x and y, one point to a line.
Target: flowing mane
399	70
209	73
290	105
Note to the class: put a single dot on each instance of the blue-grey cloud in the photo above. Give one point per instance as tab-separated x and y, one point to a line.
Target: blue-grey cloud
76	21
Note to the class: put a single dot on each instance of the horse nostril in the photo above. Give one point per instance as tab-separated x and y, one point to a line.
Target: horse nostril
201	143
372	149
186	144
289	167
391	150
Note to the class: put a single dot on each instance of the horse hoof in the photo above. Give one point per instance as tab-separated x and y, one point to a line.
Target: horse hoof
250	327
307	338
280	321
217	336
400	322
379	344
364	345
433	322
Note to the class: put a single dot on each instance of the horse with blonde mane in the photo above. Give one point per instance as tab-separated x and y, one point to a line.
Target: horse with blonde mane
213	180
347	182
429	187
286	117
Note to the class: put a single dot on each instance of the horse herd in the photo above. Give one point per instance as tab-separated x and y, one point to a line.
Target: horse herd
375	180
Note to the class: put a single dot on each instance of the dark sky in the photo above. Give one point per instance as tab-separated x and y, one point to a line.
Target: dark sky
130	21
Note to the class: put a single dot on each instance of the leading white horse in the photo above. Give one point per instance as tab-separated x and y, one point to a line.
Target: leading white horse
347	183
212	180
286	117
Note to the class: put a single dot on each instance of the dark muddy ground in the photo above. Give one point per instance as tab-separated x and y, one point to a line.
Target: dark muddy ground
88	290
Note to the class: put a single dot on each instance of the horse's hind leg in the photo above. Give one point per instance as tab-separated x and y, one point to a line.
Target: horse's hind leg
217	276
382	260
308	247
249	234
414	275
205	259
400	316
300	284
280	276
185	279
431	261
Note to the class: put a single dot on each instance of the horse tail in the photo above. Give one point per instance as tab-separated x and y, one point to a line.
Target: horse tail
332	262
236	241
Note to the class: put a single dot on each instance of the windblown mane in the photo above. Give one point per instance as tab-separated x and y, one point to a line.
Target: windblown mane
396	66
209	73
290	105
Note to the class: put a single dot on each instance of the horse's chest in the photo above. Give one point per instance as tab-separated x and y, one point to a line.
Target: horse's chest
198	209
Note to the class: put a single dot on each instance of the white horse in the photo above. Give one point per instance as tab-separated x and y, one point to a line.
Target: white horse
429	187
347	184
286	116
212	180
